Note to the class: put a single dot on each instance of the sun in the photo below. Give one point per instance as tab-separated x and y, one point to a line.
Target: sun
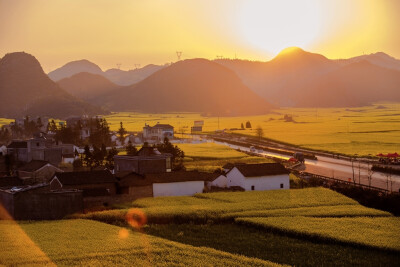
272	25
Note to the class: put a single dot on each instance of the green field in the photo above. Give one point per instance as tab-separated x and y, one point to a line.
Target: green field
90	243
302	227
210	157
365	130
375	232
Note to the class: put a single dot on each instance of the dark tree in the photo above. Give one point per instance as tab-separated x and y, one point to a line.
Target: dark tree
131	149
248	124
88	157
121	133
242	126
110	158
177	154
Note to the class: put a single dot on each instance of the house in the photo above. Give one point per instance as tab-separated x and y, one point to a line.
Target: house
148	160
19	150
265	176
92	183
181	183
38	202
82	123
38	171
10	181
158	132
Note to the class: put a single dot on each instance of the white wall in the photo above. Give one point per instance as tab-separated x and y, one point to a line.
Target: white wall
267	182
178	188
235	178
221	181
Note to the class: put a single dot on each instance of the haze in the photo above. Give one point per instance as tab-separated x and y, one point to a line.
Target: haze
142	32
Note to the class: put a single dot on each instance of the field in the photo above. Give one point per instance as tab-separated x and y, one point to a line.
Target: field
313	226
375	232
84	243
365	130
209	156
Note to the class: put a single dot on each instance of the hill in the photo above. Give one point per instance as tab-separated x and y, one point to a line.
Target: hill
87	86
380	59
129	77
74	67
277	80
195	85
357	84
26	90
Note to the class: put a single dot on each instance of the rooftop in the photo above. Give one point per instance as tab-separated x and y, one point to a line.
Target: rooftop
33	165
263	169
86	177
134	179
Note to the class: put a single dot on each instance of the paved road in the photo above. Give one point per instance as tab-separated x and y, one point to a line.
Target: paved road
337	168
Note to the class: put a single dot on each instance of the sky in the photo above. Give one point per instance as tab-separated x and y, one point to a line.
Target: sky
129	32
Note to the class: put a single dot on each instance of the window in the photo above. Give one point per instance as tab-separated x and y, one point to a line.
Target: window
281	185
37	144
252	187
168	163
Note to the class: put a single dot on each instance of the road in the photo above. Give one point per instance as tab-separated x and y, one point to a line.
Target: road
337	168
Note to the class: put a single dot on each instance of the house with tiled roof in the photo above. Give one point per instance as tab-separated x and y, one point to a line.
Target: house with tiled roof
158	132
38	171
258	177
92	183
179	183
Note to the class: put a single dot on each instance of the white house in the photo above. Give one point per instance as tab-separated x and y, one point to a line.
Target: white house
180	183
265	176
158	132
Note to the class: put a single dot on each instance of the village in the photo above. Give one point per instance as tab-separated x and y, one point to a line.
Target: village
75	166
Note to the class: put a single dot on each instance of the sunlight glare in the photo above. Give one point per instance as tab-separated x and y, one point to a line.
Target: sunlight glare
274	25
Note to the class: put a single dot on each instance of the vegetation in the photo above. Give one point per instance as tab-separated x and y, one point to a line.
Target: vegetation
78	242
381	232
262	244
366	130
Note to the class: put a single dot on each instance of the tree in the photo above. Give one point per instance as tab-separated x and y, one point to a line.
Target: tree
121	134
110	158
131	149
242	126
88	157
77	164
248	124
259	133
98	156
177	154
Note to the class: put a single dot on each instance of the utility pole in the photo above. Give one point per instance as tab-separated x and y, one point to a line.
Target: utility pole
179	54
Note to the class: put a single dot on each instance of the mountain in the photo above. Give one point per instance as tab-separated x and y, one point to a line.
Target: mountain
74	67
195	85
380	59
129	77
26	90
356	84
87	86
277	80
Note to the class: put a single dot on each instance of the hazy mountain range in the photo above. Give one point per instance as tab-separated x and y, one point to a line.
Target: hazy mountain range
221	87
26	90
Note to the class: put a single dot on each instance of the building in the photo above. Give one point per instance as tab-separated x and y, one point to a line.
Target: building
38	202
92	183
265	176
83	123
181	183
19	150
37	171
148	160
158	132
10	181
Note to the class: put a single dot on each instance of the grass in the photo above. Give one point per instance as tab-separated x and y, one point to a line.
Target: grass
209	157
83	242
379	232
262	244
223	206
364	130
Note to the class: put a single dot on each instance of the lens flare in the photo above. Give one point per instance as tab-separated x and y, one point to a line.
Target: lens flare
136	218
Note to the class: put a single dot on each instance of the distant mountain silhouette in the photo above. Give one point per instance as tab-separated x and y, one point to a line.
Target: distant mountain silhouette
130	77
195	85
87	85
26	90
380	59
356	84
73	68
277	80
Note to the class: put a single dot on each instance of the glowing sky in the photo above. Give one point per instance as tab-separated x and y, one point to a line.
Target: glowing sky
132	32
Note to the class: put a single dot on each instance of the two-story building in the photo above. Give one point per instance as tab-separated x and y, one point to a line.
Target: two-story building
158	132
